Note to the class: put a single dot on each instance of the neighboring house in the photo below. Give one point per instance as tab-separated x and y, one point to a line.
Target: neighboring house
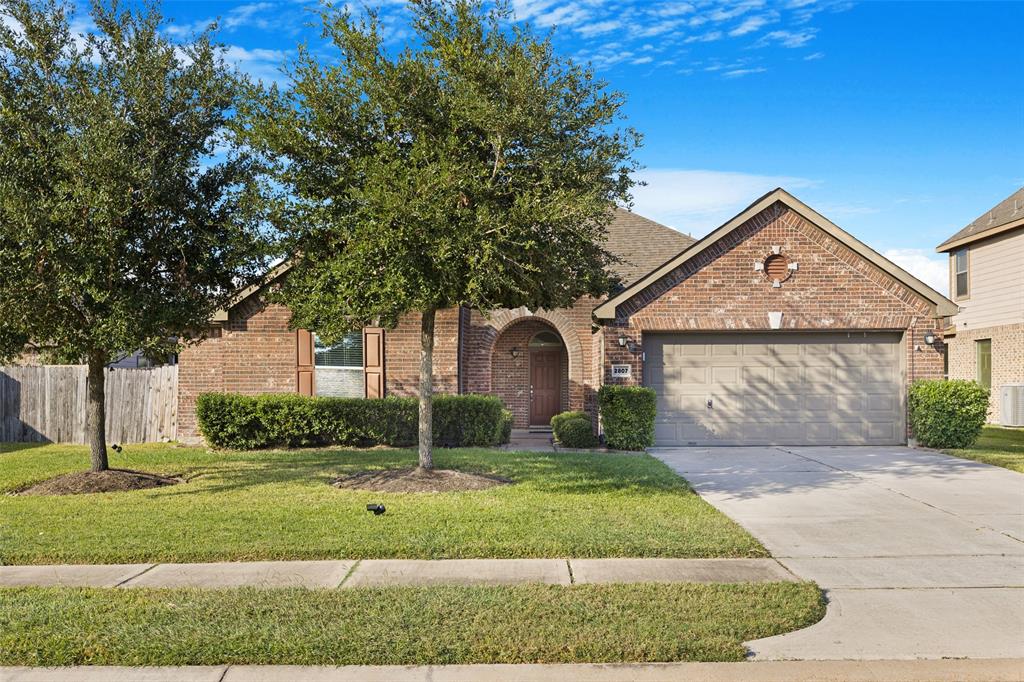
33	356
986	279
138	360
776	328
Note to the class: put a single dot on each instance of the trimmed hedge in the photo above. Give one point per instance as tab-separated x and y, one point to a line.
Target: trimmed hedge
276	420
627	413
947	414
573	430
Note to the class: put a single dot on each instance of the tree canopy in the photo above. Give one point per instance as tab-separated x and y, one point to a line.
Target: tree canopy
476	167
128	210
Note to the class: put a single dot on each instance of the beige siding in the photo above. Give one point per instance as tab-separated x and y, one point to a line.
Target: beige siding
996	283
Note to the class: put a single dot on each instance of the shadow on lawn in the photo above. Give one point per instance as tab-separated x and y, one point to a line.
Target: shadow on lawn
542	472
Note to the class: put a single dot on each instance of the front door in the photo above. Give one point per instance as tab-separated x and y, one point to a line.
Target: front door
545	385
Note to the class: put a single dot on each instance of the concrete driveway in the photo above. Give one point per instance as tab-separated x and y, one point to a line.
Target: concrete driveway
922	555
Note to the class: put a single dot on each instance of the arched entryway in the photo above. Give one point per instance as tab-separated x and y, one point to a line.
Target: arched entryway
530	371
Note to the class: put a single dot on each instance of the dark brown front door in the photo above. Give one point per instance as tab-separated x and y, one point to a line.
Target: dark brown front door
545	385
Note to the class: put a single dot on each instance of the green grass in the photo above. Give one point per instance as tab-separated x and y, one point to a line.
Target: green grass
278	505
998	446
436	625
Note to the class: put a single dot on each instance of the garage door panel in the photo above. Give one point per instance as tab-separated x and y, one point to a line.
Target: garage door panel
725	376
755	377
778	388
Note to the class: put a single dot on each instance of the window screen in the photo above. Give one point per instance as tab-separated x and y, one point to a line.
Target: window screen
960	270
348	352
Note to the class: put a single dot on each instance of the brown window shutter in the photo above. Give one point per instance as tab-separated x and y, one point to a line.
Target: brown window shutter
304	374
373	361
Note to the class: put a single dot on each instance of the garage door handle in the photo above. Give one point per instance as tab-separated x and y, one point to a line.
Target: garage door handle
711	403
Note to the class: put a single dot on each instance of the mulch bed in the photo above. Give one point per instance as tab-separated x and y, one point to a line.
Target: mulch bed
418	481
110	481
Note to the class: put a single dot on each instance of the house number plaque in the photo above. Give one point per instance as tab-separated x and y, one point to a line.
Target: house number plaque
622	371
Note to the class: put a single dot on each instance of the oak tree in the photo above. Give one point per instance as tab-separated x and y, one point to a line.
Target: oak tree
127	207
475	167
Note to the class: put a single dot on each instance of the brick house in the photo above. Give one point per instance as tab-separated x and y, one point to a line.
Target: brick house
986	280
778	327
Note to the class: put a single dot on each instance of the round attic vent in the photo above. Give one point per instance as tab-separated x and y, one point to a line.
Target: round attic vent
776	267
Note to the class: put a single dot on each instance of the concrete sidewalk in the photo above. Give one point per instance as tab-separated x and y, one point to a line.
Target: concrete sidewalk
392	572
1004	670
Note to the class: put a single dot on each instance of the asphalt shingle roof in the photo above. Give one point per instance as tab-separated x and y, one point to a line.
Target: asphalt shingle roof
1008	210
642	244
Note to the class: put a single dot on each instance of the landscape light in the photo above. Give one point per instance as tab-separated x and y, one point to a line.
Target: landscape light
377	509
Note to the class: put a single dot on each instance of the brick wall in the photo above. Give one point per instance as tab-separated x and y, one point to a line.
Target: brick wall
402	354
1007	359
254	352
833	288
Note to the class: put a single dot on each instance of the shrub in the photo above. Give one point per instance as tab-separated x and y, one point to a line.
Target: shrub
573	430
627	413
577	432
504	434
464	420
274	420
561	417
947	414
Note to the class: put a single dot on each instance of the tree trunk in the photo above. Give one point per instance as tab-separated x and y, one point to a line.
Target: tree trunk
96	413
427	389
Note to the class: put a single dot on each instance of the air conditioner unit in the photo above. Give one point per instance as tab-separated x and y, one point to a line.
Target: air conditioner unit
1011	405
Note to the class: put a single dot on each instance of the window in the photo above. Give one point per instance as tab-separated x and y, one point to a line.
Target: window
339	367
545	339
983	351
960	288
346	353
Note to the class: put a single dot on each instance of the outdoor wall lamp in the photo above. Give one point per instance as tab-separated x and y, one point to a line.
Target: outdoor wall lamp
514	352
929	338
623	341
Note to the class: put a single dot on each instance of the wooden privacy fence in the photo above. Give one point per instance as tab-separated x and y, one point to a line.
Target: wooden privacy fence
48	404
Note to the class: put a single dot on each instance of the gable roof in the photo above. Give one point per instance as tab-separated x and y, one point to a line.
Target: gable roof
641	243
943	306
1006	215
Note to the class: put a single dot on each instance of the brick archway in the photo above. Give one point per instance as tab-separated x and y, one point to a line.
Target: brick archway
503	319
491	362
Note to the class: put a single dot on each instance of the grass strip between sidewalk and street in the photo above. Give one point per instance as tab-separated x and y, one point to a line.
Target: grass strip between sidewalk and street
422	625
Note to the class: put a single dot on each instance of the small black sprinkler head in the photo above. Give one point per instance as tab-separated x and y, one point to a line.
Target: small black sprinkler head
116	447
377	509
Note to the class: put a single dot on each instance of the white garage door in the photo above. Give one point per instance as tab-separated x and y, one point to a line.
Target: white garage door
777	388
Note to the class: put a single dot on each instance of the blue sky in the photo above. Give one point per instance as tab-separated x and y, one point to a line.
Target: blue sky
901	122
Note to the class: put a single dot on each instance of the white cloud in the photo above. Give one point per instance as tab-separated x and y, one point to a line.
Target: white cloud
674	9
698	201
598	28
752	24
736	73
787	38
930	268
708	37
262	64
642	60
814	56
550	13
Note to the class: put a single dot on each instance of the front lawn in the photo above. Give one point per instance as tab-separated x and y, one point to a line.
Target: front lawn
998	446
278	505
435	625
